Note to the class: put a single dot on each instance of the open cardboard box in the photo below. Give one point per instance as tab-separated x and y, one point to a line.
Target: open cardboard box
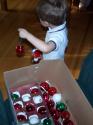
59	76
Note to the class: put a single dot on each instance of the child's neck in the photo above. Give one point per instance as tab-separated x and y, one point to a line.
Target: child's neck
52	26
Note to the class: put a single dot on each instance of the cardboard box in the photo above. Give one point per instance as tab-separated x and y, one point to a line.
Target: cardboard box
59	76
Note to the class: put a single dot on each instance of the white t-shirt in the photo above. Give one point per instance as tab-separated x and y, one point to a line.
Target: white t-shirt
59	36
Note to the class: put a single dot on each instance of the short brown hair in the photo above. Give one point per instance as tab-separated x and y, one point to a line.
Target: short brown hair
52	11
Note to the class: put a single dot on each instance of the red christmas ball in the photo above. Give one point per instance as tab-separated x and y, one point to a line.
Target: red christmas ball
34	91
50	104
42	110
68	122
57	122
52	91
21	117
65	115
29	107
46	97
36	53
44	86
20	50
55	114
36	56
18	106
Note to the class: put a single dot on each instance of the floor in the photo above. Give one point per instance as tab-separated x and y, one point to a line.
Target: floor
80	37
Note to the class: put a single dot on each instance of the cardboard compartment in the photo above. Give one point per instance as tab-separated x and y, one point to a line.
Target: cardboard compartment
57	73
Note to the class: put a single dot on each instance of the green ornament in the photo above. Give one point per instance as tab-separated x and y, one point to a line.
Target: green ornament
61	106
47	122
15	97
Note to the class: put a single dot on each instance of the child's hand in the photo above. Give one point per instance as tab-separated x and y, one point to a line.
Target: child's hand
23	33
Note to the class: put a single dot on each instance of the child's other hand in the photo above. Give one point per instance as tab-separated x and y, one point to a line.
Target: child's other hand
23	33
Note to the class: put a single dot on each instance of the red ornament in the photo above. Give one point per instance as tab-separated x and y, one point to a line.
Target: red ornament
42	110
29	107
21	118
55	114
52	91
65	115
57	122
18	106
20	50
46	96
36	55
44	86
34	91
68	122
50	104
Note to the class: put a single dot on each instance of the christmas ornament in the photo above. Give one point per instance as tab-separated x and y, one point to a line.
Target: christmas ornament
65	115
22	117
57	122
52	91
50	104
37	99
26	97
34	91
55	114
42	110
68	122
18	105
20	48
57	97
44	86
29	107
47	122
61	106
34	119
46	96
36	56
15	95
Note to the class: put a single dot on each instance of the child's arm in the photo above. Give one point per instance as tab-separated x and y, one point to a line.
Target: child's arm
39	44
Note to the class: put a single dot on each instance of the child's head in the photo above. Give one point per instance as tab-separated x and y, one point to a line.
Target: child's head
52	11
